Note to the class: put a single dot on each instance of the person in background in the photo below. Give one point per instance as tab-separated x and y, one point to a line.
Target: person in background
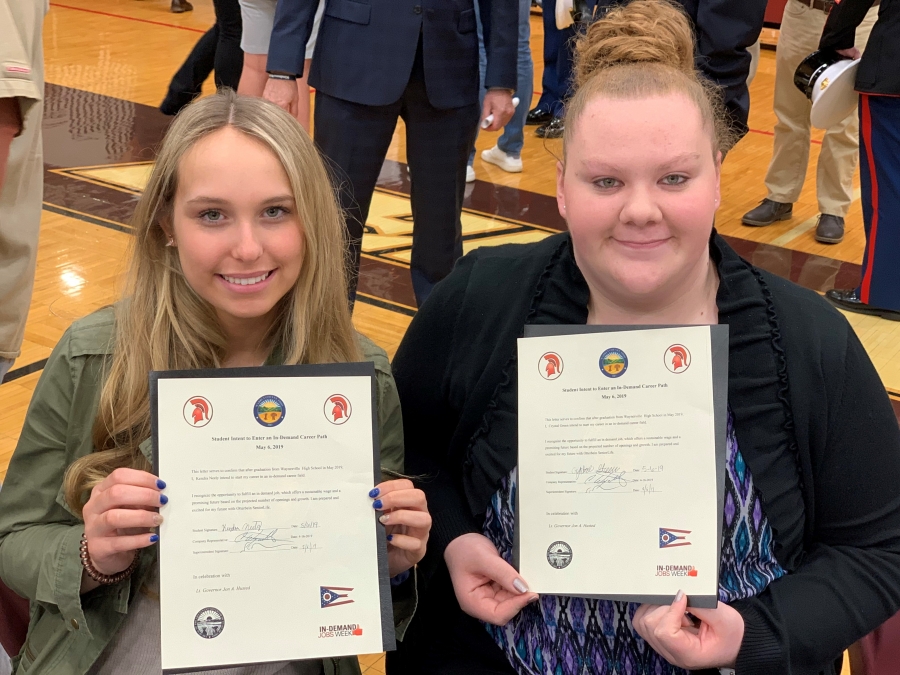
878	82
507	154
79	508
801	29
21	165
218	50
556	78
753	50
725	31
258	17
416	60
810	540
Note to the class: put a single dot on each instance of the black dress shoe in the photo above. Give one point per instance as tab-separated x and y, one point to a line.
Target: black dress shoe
181	6
538	116
830	229
553	129
767	213
849	300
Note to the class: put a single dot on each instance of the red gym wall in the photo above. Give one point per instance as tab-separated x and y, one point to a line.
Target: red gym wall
774	10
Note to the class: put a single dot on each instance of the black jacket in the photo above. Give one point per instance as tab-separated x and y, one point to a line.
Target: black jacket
365	49
811	416
879	70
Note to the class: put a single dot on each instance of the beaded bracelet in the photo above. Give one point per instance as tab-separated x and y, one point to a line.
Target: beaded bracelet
105	579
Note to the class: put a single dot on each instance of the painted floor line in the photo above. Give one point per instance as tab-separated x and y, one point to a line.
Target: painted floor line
128	18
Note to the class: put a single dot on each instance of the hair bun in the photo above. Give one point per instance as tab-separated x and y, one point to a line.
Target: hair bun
643	31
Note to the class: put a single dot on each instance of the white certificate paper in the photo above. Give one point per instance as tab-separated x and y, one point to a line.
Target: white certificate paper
270	549
621	460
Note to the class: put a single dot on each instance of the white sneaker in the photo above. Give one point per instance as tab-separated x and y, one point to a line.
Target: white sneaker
470	174
506	162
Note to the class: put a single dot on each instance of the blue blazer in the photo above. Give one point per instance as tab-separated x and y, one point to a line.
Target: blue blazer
365	49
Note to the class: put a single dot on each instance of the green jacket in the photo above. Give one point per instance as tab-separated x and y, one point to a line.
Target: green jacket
40	535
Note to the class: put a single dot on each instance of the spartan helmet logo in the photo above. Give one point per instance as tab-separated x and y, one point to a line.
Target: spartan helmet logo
550	366
197	411
677	358
338	409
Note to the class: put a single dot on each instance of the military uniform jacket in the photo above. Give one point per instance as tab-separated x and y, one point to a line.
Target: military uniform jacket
879	70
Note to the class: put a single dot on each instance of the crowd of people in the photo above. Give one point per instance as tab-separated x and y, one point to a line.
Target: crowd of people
655	98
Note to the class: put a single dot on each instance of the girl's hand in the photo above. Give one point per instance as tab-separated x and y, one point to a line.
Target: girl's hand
486	586
407	522
118	517
713	644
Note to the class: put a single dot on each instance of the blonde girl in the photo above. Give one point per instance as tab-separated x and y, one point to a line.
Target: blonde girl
237	261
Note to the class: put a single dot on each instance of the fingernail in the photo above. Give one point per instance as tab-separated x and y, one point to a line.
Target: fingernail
520	586
374	492
679	596
534	599
157	519
154	538
390	537
377	504
384	518
163	499
160	483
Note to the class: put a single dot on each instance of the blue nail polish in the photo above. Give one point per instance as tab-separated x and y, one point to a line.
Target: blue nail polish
163	499
377	504
154	538
374	492
161	484
390	537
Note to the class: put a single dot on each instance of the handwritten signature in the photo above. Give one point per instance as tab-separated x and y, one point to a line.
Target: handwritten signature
602	478
262	540
255	525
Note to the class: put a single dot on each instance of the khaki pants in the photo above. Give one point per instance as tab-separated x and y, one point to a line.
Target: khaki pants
21	78
801	29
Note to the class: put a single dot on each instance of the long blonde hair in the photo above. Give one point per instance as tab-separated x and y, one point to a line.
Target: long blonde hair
641	49
164	325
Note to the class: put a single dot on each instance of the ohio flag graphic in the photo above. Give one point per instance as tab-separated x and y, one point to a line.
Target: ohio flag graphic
669	538
332	596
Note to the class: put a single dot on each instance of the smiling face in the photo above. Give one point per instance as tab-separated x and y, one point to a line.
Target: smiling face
639	191
235	223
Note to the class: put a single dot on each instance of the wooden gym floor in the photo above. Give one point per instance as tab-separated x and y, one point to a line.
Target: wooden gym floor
107	68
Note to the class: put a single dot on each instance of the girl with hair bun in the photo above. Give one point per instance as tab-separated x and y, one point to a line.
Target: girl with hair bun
237	260
811	521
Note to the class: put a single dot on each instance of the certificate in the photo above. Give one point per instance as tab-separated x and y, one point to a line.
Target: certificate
621	461
270	549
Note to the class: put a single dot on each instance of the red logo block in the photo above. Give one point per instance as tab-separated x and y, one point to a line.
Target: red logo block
357	631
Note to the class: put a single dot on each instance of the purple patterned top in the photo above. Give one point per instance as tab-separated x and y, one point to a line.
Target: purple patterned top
582	636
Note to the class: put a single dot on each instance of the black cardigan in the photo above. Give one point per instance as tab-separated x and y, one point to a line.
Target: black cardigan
811	417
